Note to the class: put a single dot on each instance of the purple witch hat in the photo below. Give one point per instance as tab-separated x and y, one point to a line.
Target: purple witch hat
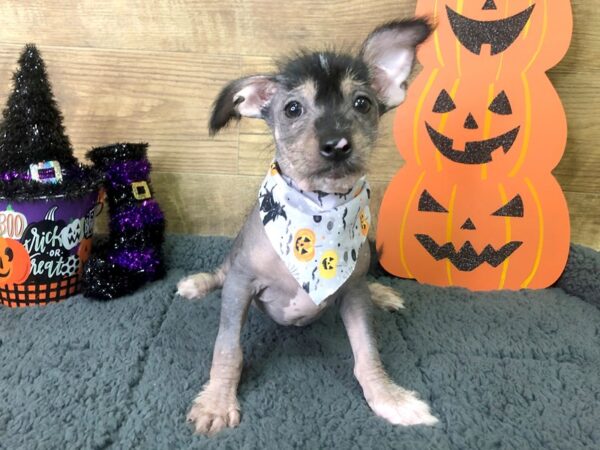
133	254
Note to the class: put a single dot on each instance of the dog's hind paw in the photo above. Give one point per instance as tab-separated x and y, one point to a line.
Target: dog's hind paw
187	288
385	297
197	286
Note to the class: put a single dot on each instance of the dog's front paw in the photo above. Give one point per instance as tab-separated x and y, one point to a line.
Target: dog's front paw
401	407
213	410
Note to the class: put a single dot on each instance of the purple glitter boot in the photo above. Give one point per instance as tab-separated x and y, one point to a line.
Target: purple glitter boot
133	254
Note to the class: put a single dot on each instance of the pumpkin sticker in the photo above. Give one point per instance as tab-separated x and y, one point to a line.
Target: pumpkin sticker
482	128
14	262
304	245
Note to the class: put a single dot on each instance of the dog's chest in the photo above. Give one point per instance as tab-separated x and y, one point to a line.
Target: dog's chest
288	307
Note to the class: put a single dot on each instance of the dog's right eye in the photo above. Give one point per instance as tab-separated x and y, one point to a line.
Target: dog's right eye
293	110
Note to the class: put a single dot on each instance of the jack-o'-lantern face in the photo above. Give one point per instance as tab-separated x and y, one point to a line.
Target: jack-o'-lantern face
493	234
483	35
328	264
364	223
479	151
14	262
467	128
467	258
498	34
304	245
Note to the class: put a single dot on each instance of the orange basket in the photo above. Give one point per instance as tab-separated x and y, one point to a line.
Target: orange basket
20	295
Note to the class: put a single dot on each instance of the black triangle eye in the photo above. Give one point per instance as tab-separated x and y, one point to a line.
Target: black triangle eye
489	4
501	105
444	103
514	208
429	204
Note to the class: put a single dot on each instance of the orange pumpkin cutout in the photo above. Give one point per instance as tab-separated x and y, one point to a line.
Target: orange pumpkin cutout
496	126
304	245
482	36
502	235
481	130
15	264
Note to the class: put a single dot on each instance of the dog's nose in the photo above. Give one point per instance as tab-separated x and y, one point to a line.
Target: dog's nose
336	149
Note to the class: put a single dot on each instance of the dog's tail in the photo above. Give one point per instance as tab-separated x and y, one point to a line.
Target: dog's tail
203	283
385	297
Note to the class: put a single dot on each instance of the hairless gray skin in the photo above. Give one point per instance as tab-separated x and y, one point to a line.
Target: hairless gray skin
323	109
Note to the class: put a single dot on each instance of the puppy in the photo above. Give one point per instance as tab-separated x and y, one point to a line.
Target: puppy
302	247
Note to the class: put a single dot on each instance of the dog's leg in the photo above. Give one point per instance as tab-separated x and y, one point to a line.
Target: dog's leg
216	406
203	283
386	399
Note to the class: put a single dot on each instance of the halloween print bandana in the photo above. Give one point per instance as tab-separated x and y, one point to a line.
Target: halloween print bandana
317	235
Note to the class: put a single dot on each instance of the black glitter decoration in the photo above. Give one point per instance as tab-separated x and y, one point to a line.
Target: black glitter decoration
32	131
499	34
513	208
476	152
133	254
429	204
489	4
443	103
471	123
467	259
501	105
468	225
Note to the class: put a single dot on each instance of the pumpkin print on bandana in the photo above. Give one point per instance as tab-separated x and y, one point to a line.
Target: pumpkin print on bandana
317	235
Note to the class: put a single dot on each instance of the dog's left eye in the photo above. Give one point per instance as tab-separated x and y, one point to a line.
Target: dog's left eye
293	110
362	104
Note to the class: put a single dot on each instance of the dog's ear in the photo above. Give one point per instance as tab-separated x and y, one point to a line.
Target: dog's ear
389	51
247	97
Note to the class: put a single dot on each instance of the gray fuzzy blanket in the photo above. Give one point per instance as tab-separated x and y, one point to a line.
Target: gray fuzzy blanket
509	370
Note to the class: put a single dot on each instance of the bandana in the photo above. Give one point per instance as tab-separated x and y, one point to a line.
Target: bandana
317	235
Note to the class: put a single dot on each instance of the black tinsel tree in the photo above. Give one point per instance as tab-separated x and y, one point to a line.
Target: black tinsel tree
32	129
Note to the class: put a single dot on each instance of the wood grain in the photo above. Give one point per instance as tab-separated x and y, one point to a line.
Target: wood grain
148	70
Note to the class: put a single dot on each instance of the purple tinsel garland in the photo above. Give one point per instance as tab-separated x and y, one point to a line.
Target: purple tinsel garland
136	217
145	260
127	172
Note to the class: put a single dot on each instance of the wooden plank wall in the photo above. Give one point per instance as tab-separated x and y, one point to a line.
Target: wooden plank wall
148	70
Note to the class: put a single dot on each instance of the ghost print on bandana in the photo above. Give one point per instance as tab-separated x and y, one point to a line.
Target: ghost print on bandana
317	235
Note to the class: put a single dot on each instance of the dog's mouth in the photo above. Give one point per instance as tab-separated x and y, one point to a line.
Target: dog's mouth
475	152
467	259
499	34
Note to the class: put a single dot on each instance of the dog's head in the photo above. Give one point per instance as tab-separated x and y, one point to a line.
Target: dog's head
324	107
